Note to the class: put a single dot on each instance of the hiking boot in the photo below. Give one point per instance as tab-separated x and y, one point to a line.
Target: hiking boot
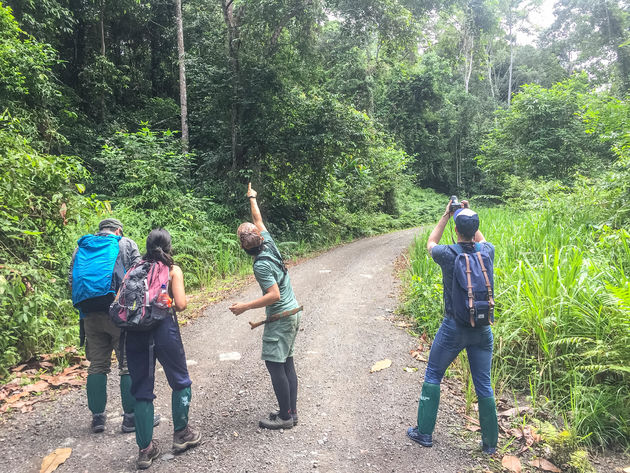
98	423
426	440
277	423
185	439
129	422
147	455
273	415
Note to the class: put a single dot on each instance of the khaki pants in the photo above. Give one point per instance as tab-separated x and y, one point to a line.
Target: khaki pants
101	337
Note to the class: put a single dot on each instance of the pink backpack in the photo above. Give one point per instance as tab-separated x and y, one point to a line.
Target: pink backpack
135	307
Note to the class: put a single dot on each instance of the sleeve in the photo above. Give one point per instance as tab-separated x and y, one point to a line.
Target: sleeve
131	253
489	247
264	274
268	238
74	254
439	254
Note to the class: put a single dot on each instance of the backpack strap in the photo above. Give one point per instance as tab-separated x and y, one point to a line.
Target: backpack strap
488	287
471	298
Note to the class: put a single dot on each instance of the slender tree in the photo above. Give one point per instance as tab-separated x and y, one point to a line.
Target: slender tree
183	102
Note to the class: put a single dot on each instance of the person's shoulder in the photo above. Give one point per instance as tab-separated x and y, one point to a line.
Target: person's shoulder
262	263
267	236
176	271
439	250
487	245
127	241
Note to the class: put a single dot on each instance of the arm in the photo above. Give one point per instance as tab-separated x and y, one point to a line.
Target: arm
177	288
74	254
271	296
256	216
436	234
131	254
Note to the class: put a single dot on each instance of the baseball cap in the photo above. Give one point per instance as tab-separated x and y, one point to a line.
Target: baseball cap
466	220
110	223
250	236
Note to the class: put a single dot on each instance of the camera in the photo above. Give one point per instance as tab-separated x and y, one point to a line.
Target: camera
454	204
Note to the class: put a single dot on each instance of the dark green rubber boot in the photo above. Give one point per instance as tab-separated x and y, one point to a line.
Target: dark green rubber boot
144	423
428	408
489	425
180	403
128	401
97	392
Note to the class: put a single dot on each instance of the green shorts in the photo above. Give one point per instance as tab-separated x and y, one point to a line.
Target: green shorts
278	339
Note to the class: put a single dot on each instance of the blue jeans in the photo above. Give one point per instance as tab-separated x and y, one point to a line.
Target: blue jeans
451	339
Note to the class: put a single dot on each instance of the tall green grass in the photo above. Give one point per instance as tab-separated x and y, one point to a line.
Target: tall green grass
562	331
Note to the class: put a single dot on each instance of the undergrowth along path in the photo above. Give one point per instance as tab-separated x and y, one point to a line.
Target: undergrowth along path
350	419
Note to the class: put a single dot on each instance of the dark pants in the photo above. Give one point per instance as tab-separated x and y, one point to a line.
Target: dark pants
168	349
285	385
453	338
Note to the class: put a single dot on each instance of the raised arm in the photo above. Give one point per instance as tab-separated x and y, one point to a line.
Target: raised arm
256	216
436	234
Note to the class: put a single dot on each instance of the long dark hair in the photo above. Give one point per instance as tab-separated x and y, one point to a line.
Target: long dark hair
159	247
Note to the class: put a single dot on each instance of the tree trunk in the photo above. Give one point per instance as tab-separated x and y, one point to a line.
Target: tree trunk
233	45
509	97
489	61
469	64
102	25
183	101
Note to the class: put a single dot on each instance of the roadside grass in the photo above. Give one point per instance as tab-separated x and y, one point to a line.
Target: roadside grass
562	332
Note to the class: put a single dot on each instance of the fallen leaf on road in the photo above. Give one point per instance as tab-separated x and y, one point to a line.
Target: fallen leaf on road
410	369
511	463
545	465
381	365
56	458
470	419
35	388
514	411
473	428
418	355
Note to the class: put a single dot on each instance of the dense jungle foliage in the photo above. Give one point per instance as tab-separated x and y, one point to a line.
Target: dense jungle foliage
350	117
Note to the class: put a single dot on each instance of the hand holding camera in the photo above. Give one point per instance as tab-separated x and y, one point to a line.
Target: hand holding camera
454	204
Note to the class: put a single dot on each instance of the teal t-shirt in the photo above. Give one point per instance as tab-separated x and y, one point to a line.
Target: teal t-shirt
269	273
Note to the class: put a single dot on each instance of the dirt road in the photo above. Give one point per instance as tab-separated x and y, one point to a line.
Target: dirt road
350	420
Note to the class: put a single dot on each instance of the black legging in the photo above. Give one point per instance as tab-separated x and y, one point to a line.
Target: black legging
285	385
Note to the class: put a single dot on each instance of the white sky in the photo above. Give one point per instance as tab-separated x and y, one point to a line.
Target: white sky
541	18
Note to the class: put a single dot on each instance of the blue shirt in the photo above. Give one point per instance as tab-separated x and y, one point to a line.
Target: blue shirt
445	257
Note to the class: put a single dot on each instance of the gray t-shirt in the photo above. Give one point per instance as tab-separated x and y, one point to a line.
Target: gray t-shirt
269	273
445	257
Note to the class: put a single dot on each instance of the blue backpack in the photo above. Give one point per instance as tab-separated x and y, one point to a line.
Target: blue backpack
473	287
97	273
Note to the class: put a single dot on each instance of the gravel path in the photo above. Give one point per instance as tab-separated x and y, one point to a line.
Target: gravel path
350	420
